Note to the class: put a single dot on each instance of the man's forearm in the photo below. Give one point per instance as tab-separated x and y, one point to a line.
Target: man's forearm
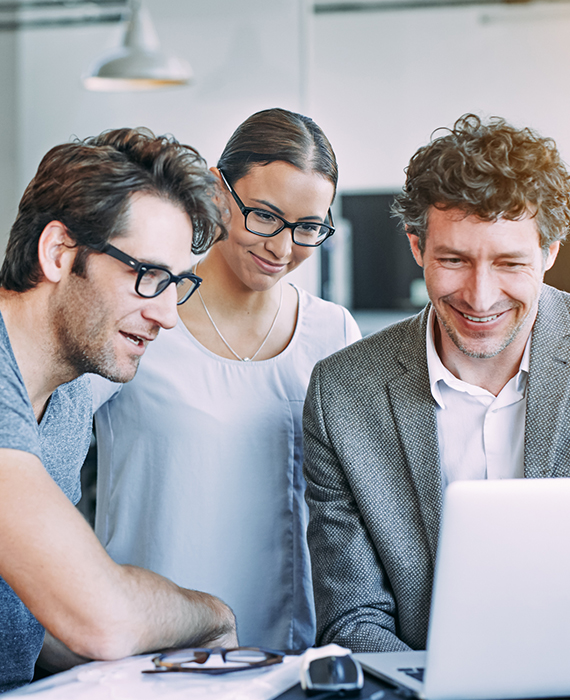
151	612
174	618
177	617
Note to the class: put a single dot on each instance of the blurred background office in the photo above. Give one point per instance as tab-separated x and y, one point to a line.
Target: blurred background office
378	76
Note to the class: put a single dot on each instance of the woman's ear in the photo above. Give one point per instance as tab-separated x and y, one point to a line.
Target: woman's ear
56	251
222	198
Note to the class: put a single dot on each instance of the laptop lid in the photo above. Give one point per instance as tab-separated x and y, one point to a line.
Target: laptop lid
500	616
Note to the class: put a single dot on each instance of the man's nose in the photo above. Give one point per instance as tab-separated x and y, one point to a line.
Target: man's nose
281	244
162	309
481	290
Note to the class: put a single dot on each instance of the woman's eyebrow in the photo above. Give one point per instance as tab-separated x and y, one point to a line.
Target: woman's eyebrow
269	205
278	211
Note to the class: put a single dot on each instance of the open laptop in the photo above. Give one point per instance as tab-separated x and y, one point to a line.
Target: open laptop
500	616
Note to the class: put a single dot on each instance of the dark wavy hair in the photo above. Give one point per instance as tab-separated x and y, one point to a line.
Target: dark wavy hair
87	185
278	135
488	170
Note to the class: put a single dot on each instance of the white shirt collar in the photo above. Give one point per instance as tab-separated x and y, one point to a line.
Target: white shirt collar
438	372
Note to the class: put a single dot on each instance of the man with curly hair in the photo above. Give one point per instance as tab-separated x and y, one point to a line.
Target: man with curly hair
476	386
96	263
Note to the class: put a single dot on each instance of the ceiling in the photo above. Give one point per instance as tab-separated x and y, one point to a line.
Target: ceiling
22	14
346	6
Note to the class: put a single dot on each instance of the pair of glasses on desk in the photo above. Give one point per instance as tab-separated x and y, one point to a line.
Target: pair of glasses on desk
232	660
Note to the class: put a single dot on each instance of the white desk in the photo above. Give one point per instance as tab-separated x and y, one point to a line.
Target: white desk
123	680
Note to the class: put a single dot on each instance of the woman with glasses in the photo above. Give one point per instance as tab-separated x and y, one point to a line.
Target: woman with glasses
200	456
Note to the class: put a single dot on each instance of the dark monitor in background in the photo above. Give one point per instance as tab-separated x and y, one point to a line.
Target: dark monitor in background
384	273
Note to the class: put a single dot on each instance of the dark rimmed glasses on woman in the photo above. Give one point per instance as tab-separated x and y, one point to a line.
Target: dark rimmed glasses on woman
152	280
265	223
236	659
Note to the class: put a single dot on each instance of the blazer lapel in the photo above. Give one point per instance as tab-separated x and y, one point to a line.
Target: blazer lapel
548	389
414	415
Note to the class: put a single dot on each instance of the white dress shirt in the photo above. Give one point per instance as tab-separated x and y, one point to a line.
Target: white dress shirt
481	436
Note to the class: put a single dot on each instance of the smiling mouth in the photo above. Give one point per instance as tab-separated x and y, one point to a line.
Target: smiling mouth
135	339
269	264
480	319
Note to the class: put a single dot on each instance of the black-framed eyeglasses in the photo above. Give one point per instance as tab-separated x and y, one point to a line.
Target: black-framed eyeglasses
265	223
233	660
152	280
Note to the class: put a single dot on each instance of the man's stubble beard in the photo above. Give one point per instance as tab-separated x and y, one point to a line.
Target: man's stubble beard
457	341
81	330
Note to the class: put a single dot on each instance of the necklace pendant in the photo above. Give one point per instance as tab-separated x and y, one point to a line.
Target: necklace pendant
246	359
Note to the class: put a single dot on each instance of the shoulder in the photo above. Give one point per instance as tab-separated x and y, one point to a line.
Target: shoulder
327	319
8	365
77	393
382	355
551	329
11	381
553	303
18	426
70	409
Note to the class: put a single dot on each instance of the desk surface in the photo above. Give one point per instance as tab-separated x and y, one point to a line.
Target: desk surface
123	680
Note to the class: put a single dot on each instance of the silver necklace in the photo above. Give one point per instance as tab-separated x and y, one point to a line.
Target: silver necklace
229	347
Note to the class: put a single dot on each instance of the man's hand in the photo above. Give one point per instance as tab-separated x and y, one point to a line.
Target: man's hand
227	641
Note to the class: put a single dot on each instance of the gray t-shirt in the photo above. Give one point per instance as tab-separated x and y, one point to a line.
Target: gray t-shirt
60	441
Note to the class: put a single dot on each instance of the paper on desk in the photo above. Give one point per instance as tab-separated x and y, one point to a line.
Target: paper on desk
123	680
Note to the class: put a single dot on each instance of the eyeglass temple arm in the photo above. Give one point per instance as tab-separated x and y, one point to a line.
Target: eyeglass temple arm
109	249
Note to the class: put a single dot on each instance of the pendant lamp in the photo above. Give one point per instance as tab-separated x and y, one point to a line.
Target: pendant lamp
138	64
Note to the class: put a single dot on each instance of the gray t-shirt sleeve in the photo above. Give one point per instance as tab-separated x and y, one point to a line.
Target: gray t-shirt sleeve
62	439
18	426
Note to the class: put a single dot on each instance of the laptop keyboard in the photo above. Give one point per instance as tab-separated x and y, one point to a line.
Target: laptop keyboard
416	673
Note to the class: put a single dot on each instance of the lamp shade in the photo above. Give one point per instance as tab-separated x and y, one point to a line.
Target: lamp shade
139	63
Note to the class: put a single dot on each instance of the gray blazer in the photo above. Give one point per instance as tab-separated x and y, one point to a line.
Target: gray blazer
374	481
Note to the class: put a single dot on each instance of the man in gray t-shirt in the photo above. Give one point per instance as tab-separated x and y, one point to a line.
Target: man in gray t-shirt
75	298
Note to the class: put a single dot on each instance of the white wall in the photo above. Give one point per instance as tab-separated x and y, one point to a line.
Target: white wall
380	82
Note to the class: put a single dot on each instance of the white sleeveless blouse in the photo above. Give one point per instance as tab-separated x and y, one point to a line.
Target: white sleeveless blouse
200	472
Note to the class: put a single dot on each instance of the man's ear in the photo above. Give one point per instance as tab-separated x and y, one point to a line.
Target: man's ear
415	248
551	255
56	251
